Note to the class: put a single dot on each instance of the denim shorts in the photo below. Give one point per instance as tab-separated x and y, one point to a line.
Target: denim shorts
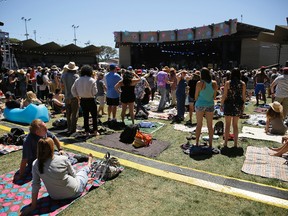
191	100
204	108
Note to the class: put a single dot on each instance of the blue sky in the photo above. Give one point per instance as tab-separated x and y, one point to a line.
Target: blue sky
97	20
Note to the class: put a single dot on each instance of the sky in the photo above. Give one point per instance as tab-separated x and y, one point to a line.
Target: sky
97	20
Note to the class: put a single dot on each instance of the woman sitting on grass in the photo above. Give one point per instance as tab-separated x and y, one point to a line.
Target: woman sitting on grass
275	120
31	98
283	149
57	174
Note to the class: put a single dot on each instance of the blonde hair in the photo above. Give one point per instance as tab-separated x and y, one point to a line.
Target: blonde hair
30	95
45	150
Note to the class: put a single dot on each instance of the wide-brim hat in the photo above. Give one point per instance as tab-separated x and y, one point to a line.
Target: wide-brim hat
54	67
21	71
276	106
10	72
71	66
166	69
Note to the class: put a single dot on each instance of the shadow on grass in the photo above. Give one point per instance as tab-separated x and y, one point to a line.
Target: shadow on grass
201	157
232	152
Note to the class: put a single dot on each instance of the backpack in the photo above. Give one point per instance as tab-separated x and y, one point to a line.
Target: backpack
128	134
142	139
16	136
106	169
39	79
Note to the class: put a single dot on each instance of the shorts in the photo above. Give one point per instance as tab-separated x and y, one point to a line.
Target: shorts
204	108
112	101
101	100
260	87
191	100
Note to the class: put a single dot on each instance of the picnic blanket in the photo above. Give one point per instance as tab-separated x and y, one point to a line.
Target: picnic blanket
260	109
259	134
151	151
5	149
16	195
256	120
259	162
186	128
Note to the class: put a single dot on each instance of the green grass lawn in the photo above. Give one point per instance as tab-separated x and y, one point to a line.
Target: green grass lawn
139	193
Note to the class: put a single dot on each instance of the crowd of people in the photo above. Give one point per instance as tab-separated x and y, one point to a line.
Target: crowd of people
84	88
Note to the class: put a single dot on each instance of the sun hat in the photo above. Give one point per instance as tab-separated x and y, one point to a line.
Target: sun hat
54	67
10	72
276	106
71	66
21	71
166	69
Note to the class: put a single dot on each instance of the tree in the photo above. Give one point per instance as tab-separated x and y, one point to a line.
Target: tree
107	52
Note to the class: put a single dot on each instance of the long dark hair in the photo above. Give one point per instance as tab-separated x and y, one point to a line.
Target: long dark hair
45	150
235	74
205	75
127	78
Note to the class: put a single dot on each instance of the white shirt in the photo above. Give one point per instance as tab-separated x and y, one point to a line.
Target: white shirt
84	87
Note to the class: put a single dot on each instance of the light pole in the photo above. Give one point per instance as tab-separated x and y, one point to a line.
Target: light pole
26	20
35	35
75	27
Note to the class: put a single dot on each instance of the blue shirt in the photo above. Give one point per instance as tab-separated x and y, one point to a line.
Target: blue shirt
30	147
111	80
206	96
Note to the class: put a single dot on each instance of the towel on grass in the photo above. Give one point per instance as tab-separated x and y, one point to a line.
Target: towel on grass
5	149
16	195
151	151
259	134
259	162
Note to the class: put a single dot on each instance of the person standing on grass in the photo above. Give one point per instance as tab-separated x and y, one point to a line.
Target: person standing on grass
112	97
38	130
140	87
58	175
85	89
71	103
259	82
181	79
101	94
280	93
191	97
233	102
206	90
126	87
162	79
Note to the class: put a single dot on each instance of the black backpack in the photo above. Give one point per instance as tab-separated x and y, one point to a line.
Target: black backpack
39	79
128	134
16	136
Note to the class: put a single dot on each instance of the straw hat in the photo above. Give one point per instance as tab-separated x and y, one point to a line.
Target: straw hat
10	72
54	67
71	66
276	106
21	71
166	69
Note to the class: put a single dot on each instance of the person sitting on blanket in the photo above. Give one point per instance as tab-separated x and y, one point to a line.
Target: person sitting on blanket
57	174
282	149
38	130
275	119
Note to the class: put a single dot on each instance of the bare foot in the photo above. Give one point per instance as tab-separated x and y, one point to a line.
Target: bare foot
90	157
96	133
277	154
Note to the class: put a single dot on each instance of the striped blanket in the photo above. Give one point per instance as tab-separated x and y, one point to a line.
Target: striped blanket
259	162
